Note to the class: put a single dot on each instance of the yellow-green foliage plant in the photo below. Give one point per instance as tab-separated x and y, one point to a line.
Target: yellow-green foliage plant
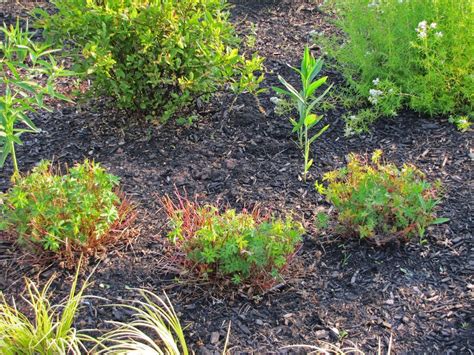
406	53
50	330
154	56
380	202
155	330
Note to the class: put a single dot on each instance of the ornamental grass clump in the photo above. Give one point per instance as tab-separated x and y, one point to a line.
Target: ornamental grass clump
380	202
51	328
245	246
79	212
154	56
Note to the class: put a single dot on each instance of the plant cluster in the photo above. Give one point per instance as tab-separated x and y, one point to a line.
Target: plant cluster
238	245
380	202
415	54
305	102
22	62
52	329
78	211
154	56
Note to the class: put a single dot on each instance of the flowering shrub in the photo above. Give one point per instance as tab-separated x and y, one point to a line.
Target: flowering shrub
415	54
79	211
154	56
381	202
238	245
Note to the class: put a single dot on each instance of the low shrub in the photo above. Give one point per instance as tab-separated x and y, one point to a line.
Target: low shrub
237	245
380	202
415	54
154	56
65	214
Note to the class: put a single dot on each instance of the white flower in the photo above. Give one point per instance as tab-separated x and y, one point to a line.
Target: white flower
439	34
433	25
373	100
375	92
376	81
374	3
422	25
422	35
274	100
352	117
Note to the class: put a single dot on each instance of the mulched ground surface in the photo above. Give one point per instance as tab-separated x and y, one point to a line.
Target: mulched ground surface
421	296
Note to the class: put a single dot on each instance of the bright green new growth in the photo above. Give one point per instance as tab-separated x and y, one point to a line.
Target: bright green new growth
155	330
62	213
416	54
155	56
21	62
51	332
382	202
239	245
305	102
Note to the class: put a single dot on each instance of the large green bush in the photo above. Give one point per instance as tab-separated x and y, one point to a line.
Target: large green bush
154	55
406	53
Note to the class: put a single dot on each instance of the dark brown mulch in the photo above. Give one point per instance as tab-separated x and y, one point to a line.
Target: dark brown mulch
420	295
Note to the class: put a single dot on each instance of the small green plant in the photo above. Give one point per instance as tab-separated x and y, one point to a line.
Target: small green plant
157	316
22	61
154	56
239	245
65	214
305	102
413	54
462	123
380	202
51	331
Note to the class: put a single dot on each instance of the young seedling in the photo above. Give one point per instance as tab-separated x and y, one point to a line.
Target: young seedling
305	102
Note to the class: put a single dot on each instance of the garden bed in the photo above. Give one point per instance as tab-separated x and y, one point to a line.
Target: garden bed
336	290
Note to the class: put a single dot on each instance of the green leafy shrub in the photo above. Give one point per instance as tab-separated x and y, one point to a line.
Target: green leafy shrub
381	202
239	245
22	62
403	53
78	211
155	55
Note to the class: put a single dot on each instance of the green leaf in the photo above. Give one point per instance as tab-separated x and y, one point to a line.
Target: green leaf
440	220
312	88
316	136
291	89
310	120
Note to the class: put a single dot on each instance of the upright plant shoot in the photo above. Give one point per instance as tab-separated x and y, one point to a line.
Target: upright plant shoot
305	102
